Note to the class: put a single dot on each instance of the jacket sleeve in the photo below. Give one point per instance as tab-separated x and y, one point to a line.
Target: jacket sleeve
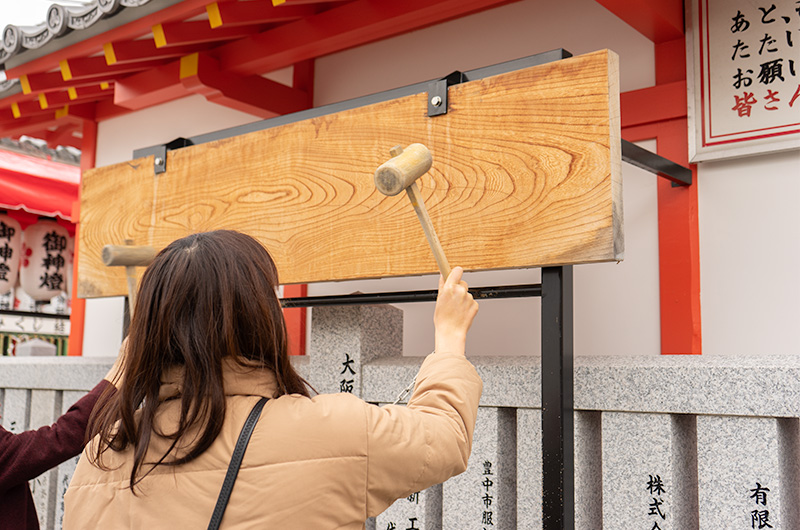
412	448
26	455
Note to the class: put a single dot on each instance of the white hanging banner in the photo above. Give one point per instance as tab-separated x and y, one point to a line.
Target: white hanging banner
744	77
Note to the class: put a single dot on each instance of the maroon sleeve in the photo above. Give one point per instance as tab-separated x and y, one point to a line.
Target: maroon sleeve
28	454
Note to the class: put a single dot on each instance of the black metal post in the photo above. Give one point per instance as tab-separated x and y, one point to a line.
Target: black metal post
558	450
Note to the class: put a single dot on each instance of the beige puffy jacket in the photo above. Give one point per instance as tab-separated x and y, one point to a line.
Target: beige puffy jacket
325	463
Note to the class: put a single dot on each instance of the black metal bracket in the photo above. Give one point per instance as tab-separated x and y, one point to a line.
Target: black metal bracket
649	161
437	93
159	153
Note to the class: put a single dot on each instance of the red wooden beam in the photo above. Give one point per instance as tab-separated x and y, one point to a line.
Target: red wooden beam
287	3
253	94
303	78
659	21
106	109
89	93
653	104
198	32
35	84
54	100
76	113
134	51
97	67
18	105
30	107
73	95
346	26
41	82
136	28
671	61
150	87
230	14
21	126
62	135
6	115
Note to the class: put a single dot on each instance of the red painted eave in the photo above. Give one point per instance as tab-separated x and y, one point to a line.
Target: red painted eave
138	62
658	20
37	186
93	45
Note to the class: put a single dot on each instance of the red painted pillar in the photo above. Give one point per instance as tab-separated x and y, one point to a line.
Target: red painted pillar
678	232
78	305
678	248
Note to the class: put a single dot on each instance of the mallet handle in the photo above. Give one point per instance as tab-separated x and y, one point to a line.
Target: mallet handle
430	234
128	255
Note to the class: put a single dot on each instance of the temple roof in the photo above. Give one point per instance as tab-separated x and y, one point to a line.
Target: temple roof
112	57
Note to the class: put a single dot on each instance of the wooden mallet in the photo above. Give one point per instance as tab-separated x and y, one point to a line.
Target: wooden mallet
130	257
401	173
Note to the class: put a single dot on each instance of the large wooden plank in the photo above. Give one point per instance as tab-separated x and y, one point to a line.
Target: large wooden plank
526	173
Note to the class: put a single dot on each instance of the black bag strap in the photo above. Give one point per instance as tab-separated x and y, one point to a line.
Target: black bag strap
236	462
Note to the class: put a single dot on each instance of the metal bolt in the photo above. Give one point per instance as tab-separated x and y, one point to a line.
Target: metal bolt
159	161
436	101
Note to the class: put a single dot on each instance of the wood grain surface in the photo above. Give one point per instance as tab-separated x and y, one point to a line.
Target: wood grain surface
526	173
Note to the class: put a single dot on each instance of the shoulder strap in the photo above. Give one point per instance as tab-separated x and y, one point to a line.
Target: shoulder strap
236	462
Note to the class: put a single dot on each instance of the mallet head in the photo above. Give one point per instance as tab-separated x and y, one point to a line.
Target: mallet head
398	173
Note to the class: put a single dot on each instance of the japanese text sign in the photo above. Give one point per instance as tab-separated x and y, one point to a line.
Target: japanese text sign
744	58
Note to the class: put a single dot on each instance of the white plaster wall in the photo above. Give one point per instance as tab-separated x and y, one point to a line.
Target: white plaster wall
750	254
501	34
616	304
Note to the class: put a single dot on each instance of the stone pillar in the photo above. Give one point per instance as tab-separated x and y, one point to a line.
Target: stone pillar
789	448
343	339
64	471
15	410
43	409
588	471
644	475
485	495
529	468
738	472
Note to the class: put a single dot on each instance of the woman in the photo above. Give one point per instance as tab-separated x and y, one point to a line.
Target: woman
26	455
206	342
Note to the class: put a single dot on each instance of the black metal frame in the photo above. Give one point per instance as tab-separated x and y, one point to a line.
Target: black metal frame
558	459
34	314
404	297
558	410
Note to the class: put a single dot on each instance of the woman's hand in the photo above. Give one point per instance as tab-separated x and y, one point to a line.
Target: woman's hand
454	313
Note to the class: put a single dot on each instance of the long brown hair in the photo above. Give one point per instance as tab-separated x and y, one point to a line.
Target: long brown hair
205	297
